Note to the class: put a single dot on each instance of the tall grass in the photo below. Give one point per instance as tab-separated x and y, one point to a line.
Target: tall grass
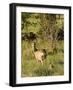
53	65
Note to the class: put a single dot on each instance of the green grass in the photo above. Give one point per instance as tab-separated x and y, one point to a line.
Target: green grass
53	65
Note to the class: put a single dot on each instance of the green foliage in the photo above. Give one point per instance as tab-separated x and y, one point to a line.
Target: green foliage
46	26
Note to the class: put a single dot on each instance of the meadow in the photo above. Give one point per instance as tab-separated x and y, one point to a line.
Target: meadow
30	66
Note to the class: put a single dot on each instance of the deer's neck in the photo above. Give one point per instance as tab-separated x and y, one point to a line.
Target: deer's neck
34	47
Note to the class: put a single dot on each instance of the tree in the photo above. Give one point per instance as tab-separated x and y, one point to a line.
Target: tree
48	27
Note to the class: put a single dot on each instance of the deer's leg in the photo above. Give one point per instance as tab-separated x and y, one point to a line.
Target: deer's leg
41	62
